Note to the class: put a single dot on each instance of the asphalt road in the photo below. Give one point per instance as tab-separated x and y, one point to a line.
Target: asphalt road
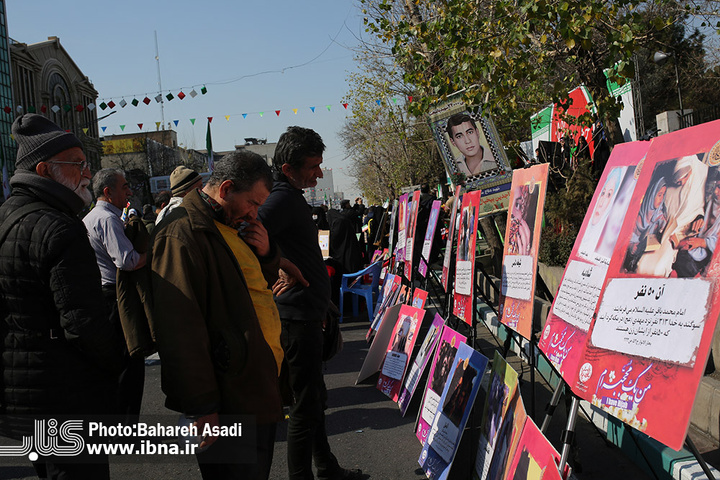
365	429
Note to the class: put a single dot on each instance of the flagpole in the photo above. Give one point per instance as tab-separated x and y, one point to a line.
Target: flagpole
162	103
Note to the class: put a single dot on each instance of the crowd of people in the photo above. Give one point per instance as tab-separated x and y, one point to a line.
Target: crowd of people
230	287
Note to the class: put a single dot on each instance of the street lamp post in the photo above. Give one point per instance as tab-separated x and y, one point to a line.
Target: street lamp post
660	58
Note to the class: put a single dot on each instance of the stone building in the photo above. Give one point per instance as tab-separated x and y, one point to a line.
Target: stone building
46	80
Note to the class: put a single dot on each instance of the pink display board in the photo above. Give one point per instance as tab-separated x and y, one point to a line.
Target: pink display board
399	350
413	206
450	238
650	338
465	260
534	454
427	350
429	237
441	365
565	332
522	238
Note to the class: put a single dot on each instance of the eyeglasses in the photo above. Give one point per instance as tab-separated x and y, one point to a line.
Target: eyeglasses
83	165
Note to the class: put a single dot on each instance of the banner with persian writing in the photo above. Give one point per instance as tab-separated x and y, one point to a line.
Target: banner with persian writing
650	339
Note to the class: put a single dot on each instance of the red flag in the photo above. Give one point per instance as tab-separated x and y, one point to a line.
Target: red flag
140	126
277	112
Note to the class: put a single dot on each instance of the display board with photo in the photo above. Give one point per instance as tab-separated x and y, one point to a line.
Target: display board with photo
534	455
440	367
501	389
650	338
429	237
413	207
457	399
427	349
563	337
450	239
399	350
465	259
522	240
470	145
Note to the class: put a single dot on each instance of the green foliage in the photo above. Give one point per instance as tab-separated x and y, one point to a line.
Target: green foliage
565	206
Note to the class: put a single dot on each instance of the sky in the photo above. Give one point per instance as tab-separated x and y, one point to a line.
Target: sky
251	56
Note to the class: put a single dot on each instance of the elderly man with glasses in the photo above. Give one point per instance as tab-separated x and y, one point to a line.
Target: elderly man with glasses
61	356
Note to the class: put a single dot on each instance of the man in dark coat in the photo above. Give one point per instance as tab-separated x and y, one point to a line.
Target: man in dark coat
61	355
288	220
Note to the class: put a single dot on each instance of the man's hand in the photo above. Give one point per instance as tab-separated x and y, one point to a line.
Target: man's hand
214	421
289	275
256	236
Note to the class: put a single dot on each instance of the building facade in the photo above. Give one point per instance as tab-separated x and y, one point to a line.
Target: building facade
7	146
46	80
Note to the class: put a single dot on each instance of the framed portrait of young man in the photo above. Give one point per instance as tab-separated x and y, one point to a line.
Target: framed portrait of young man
471	150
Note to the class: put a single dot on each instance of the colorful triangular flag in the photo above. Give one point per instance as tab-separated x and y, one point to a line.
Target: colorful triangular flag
209	119
192	120
227	117
345	105
176	122
262	113
85	130
135	102
328	107
122	127
169	96
111	104
244	115
277	112
181	95
295	111
313	109
140	126
203	90
103	129
157	125
379	102
146	101
103	106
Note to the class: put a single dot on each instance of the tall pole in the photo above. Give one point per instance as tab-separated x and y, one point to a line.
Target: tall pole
677	82
160	90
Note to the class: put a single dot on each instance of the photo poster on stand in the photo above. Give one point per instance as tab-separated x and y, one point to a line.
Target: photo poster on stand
457	401
471	148
429	237
649	343
522	239
399	350
450	239
412	224
419	298
465	259
419	363
502	386
376	354
391	228
506	443
534	455
388	298
440	367
563	338
402	225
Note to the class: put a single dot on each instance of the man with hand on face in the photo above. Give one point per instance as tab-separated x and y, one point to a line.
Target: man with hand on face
215	321
303	308
464	134
61	355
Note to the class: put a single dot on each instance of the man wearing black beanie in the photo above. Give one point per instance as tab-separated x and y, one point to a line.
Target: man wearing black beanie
61	355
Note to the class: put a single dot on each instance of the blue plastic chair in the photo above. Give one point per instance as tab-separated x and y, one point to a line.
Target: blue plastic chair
351	283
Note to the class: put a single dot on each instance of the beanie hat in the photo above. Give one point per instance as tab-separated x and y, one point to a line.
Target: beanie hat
181	179
39	139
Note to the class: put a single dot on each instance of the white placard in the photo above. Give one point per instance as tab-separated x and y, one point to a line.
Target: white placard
579	293
660	318
463	277
430	407
517	276
443	437
394	365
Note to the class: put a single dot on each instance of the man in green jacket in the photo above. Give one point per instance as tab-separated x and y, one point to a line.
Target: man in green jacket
216	325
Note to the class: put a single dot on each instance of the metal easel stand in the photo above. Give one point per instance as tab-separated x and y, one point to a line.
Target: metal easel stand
698	456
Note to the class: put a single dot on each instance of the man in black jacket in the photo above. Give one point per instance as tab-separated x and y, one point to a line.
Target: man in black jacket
287	218
61	356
